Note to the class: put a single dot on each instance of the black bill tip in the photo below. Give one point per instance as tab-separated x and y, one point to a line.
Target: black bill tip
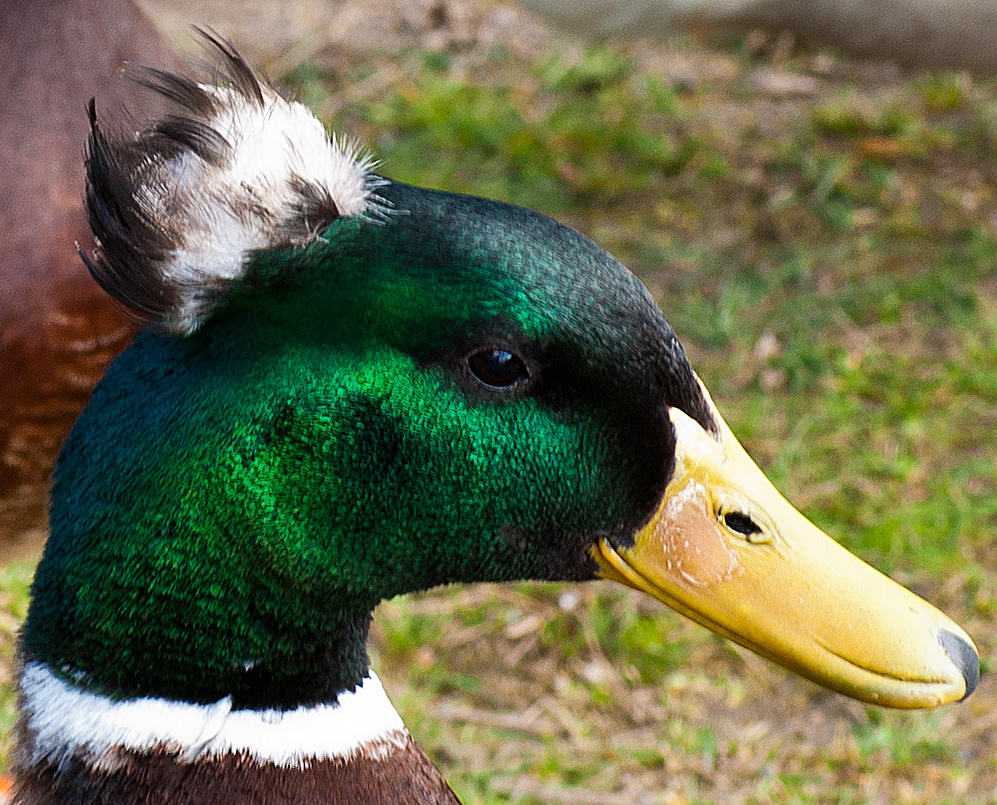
965	658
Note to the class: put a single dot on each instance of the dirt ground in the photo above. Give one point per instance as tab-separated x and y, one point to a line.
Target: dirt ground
276	36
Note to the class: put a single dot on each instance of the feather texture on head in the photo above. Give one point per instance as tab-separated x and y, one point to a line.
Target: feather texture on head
177	209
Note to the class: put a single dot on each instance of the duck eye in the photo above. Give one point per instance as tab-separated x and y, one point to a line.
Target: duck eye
497	369
741	524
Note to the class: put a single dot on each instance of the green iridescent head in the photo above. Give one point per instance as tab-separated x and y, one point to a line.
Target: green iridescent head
454	390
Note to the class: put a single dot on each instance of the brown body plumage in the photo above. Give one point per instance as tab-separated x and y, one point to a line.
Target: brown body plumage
58	330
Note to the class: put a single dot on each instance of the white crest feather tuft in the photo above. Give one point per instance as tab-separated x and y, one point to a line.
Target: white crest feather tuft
178	210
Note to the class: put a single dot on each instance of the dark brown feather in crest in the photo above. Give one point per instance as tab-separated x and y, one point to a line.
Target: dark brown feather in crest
235	68
131	246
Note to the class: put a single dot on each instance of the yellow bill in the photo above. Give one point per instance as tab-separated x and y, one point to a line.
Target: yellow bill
727	550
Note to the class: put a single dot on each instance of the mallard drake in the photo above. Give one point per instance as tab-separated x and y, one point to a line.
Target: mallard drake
350	388
58	330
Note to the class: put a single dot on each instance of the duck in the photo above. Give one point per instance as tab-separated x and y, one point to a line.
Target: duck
348	388
58	329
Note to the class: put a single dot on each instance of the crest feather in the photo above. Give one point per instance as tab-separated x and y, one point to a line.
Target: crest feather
177	209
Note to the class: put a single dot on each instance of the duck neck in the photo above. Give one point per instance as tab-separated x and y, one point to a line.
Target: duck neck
204	649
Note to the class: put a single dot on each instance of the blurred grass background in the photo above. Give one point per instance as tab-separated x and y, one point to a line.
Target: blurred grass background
821	233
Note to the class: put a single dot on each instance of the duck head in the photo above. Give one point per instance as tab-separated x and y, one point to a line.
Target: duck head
350	388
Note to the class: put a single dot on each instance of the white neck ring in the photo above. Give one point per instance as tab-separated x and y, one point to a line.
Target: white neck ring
65	722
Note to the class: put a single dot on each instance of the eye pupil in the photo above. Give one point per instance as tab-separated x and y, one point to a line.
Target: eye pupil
741	523
497	368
